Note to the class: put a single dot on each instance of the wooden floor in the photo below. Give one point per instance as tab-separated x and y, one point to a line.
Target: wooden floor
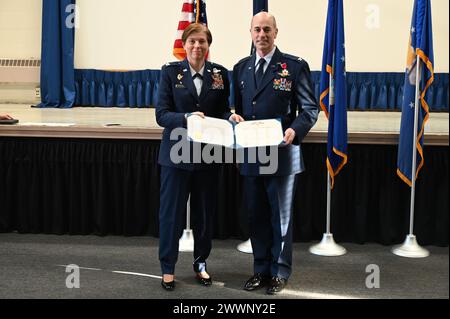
126	123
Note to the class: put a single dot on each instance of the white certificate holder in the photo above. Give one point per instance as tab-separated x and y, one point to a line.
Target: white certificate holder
246	134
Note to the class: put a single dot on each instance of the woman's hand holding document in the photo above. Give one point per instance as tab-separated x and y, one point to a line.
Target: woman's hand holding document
241	135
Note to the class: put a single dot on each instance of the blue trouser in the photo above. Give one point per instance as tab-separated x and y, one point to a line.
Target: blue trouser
176	185
269	201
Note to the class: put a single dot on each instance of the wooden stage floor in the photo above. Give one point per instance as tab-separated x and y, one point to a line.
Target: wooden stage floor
366	127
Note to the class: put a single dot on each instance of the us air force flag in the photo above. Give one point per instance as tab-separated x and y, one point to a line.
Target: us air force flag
420	45
333	88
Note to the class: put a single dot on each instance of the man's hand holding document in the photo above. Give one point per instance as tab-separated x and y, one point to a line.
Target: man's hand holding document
246	134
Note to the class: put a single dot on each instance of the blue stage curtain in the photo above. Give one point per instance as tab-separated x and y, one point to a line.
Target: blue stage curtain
135	89
438	93
384	91
57	68
366	91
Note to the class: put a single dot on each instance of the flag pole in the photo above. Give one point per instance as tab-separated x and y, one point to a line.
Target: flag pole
186	242
328	247
410	248
328	203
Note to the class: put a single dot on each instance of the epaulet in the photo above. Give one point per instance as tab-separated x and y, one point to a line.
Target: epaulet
216	65
170	64
244	60
292	57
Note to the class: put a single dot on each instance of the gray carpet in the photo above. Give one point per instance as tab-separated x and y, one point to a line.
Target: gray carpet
33	266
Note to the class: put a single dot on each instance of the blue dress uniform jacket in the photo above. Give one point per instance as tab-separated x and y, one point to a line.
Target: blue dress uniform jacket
285	89
178	96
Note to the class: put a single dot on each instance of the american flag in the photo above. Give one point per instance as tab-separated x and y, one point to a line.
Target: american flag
193	11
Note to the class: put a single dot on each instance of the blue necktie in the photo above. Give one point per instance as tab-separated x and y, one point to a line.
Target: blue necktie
260	72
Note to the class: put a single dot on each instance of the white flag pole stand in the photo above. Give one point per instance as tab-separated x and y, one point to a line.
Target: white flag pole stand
245	247
186	242
410	248
328	247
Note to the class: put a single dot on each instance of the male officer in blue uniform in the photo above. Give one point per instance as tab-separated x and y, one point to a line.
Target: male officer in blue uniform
271	84
197	87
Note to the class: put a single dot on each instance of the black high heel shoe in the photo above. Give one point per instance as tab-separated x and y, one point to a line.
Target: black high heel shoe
203	281
169	286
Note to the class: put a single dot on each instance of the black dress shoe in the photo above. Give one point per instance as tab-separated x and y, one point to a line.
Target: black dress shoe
169	286
255	282
203	281
276	284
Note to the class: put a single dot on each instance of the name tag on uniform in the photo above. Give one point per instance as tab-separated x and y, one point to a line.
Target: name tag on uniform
179	86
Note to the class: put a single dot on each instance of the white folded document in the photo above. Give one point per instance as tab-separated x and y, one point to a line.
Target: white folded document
215	131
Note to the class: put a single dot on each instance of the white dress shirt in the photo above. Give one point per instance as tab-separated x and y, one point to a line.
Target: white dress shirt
268	58
198	82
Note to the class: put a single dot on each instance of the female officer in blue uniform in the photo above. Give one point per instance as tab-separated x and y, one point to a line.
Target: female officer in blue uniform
193	87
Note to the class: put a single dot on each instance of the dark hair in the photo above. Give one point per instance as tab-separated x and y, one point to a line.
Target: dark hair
196	28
